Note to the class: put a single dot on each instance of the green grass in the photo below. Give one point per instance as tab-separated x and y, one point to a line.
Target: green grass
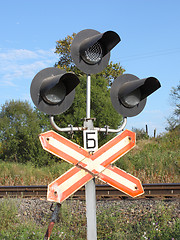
152	161
14	174
159	225
112	223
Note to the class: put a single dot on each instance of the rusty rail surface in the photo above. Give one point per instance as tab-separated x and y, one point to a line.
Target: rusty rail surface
164	190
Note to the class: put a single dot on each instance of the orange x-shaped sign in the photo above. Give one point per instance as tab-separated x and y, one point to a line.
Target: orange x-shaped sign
89	165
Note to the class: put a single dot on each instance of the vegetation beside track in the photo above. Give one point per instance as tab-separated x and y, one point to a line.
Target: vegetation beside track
153	160
117	220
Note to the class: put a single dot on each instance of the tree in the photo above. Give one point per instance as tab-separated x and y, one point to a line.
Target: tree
174	120
19	130
63	48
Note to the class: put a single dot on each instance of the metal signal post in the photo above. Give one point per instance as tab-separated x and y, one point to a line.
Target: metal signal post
90	188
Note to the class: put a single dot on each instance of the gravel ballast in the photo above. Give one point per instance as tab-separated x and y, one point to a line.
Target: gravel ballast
39	210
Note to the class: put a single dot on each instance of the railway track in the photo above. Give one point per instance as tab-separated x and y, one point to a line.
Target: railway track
159	190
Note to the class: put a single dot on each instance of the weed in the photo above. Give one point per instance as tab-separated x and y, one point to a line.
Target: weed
8	214
113	222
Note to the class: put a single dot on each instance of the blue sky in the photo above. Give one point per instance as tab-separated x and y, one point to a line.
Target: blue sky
150	44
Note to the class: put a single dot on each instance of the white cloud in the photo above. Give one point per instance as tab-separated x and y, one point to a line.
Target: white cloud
17	54
20	64
23	54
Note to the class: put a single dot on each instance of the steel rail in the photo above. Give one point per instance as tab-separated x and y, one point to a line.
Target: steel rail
102	191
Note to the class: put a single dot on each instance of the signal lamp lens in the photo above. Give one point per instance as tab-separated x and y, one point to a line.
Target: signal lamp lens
56	94
132	99
93	54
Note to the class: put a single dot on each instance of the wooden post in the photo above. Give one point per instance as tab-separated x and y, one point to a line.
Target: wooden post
154	132
147	129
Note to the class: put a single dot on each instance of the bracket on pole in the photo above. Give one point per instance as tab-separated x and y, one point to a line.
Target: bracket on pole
71	129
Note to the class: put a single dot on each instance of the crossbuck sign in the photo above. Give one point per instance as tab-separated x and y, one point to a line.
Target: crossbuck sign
88	165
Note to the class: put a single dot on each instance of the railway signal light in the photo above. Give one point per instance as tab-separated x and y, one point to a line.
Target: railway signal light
90	49
53	90
129	93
